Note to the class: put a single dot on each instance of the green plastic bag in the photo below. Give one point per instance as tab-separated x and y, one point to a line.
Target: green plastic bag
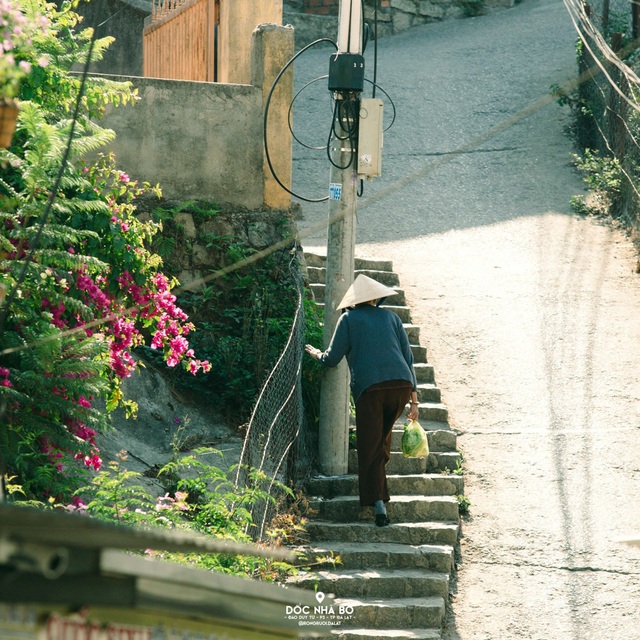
414	441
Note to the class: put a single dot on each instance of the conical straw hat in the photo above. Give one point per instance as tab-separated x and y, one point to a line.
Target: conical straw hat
364	289
634	542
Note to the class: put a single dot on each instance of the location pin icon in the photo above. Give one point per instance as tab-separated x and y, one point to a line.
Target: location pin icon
319	597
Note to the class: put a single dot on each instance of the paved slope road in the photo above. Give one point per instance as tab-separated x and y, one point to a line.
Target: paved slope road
530	314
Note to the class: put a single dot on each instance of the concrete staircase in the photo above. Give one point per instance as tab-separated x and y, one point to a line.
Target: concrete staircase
396	578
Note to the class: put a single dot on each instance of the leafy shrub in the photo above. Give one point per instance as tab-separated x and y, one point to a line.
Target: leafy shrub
79	288
198	497
603	174
243	318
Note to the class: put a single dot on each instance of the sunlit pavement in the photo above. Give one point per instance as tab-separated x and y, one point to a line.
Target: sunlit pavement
530	314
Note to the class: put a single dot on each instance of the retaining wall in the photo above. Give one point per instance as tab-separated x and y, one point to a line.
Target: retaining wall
197	139
204	140
314	19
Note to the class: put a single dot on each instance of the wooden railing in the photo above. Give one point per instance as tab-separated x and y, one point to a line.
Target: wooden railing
180	40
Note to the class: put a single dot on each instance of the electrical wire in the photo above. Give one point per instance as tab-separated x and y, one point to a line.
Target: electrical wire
375	53
332	135
345	115
344	121
591	39
393	104
340	116
588	33
365	30
266	117
291	109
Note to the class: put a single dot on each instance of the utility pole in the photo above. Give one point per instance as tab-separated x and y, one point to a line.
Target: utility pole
346	78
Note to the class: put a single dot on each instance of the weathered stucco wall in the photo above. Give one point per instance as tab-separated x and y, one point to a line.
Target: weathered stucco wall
124	20
205	140
272	49
238	19
198	140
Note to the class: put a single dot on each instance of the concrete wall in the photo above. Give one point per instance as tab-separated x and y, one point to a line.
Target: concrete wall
272	49
124	20
197	139
238	19
204	140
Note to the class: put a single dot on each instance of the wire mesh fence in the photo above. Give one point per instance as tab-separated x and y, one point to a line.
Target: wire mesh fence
607	104
271	442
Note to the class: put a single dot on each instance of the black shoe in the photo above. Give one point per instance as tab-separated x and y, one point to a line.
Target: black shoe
382	520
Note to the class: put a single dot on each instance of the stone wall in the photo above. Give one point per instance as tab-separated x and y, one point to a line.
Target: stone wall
200	255
321	7
314	19
400	15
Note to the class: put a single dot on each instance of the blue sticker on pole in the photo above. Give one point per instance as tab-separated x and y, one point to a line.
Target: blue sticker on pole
335	191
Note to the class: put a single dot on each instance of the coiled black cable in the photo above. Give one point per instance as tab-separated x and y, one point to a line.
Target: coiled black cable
266	116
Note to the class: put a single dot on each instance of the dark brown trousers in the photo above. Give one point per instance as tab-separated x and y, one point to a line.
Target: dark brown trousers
377	410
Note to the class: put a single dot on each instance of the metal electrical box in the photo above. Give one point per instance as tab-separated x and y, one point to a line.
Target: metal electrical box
370	138
346	72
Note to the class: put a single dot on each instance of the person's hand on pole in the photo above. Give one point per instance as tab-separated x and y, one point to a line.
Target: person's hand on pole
312	351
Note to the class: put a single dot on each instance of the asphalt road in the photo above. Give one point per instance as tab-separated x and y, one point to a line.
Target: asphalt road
529	312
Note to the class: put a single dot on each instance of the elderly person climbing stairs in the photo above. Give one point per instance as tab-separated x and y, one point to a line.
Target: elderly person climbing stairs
383	381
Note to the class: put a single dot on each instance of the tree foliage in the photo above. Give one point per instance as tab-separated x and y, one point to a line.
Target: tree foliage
79	287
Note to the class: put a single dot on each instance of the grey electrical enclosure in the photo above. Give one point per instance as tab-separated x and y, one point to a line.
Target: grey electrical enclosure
370	138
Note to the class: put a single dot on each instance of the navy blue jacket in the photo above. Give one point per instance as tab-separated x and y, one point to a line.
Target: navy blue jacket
376	347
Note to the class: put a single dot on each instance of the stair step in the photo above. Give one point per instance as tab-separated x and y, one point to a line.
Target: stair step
376	583
318	275
428	392
388	278
424	372
443	461
404	313
436	411
400	533
366	555
373	264
400	509
315	260
417	484
397	465
401	613
435	462
398	299
419	353
440	440
386	634
413	333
